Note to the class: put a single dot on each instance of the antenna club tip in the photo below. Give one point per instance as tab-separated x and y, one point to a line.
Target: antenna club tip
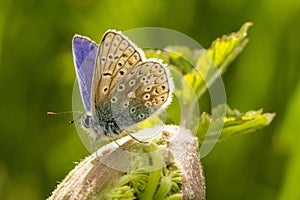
51	113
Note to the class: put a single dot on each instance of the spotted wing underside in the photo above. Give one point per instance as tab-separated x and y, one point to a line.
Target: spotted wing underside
141	93
116	56
127	88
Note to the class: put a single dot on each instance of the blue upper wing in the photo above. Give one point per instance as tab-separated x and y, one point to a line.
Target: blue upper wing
84	55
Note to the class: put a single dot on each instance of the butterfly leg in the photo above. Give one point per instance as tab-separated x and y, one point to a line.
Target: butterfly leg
140	141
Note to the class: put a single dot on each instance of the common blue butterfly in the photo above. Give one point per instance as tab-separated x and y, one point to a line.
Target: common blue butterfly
119	87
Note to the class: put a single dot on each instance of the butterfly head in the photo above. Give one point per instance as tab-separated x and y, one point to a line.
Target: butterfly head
86	122
98	128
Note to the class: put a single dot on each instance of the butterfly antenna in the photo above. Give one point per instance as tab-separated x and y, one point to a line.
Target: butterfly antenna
65	112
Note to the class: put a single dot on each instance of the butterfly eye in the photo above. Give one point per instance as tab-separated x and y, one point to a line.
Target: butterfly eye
86	121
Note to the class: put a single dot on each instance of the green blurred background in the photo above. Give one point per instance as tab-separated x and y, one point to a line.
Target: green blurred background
37	75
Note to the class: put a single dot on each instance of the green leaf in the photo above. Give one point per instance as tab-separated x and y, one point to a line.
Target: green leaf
217	58
235	123
225	49
152	53
183	57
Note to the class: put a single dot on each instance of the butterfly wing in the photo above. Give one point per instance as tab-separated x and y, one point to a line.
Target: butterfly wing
84	55
143	91
117	55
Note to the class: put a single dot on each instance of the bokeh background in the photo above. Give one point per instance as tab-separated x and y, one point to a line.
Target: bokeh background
37	75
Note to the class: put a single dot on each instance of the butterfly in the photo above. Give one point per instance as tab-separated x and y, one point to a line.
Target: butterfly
119	87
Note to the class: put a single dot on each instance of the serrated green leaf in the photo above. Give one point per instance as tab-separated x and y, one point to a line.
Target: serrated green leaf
250	121
217	58
225	49
235	123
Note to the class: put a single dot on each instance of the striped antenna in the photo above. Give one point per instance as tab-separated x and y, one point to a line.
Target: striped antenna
65	112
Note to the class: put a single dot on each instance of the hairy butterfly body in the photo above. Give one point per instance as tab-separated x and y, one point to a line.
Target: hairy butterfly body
119	86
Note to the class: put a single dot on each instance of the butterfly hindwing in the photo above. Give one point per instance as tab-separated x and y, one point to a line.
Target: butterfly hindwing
140	93
84	55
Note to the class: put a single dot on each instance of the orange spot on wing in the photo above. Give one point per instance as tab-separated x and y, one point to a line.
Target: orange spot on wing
158	90
157	101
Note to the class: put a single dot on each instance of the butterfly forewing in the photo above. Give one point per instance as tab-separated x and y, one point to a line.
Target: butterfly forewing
84	54
116	56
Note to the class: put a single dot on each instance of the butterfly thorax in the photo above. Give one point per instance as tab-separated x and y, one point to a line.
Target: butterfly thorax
99	128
